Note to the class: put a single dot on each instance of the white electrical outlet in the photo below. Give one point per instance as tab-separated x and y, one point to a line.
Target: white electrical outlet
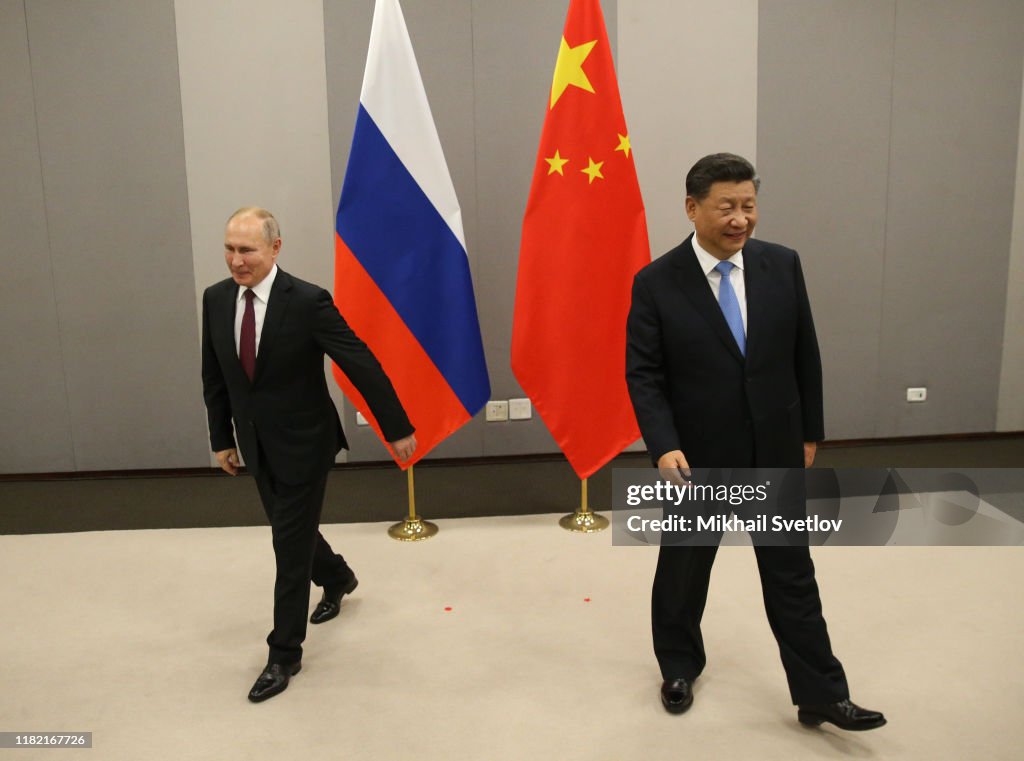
360	420
917	394
497	411
519	409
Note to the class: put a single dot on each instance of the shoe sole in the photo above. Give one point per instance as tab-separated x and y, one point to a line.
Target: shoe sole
677	708
809	720
814	720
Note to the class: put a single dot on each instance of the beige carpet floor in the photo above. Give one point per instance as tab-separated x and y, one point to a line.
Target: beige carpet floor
151	640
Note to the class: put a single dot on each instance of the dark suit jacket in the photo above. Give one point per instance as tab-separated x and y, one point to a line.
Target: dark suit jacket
285	416
692	389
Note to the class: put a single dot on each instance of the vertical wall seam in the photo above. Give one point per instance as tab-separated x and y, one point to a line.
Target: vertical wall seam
880	407
757	76
1005	415
49	241
184	156
340	401
188	215
476	260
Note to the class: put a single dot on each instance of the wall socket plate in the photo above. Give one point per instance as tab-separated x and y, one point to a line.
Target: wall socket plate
918	394
497	411
520	409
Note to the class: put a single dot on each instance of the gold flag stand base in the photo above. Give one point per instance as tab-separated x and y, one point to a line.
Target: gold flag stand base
413	528
583	520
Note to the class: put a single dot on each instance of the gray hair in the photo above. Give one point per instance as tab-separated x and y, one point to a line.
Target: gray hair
271	230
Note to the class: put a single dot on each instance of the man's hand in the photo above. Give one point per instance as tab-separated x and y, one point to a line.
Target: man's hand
404	447
810	448
673	467
228	459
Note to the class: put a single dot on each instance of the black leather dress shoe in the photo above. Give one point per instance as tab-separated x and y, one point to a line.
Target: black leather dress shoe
844	714
273	680
330	604
676	695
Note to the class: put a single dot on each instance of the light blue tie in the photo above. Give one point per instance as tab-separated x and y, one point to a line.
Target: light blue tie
731	306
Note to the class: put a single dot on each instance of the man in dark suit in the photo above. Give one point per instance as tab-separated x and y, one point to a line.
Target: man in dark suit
265	334
724	372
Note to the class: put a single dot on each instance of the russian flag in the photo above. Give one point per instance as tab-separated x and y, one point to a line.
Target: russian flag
401	274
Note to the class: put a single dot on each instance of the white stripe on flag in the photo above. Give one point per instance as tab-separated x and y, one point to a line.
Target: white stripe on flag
393	95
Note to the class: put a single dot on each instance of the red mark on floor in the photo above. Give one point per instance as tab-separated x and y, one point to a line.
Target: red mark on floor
586	599
447	610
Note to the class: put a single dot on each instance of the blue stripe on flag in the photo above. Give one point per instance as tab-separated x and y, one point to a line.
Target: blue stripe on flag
401	240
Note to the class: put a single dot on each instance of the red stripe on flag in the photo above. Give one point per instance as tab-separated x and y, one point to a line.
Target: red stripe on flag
429	401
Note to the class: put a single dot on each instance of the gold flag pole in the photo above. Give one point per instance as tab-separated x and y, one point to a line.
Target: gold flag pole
583	520
412	529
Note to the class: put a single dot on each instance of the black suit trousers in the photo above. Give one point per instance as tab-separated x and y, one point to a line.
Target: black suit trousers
302	555
791	601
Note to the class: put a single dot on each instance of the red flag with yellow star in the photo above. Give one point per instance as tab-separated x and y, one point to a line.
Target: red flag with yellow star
584	237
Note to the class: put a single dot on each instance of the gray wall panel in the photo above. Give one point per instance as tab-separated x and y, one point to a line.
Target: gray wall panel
956	110
824	112
517	45
253	84
887	133
35	432
887	137
1011	384
109	117
667	99
675	110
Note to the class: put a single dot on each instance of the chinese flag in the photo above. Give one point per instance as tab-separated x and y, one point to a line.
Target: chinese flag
584	237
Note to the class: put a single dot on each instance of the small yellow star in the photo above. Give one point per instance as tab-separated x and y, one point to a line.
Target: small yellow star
569	69
623	144
594	170
556	163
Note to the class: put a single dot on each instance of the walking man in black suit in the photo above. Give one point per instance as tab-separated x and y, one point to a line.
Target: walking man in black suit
723	370
265	334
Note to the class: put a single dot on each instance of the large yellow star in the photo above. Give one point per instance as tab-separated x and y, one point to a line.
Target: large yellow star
556	163
623	144
594	170
569	69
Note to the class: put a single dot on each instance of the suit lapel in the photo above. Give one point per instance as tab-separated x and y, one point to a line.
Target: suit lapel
223	316
277	305
694	284
754	266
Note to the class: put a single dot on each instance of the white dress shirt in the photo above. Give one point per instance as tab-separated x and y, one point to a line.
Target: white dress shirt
708	264
259	307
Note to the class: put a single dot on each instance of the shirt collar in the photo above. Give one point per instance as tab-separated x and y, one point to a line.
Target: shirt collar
261	289
709	262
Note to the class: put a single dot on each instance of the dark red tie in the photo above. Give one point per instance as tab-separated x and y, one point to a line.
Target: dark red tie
247	340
